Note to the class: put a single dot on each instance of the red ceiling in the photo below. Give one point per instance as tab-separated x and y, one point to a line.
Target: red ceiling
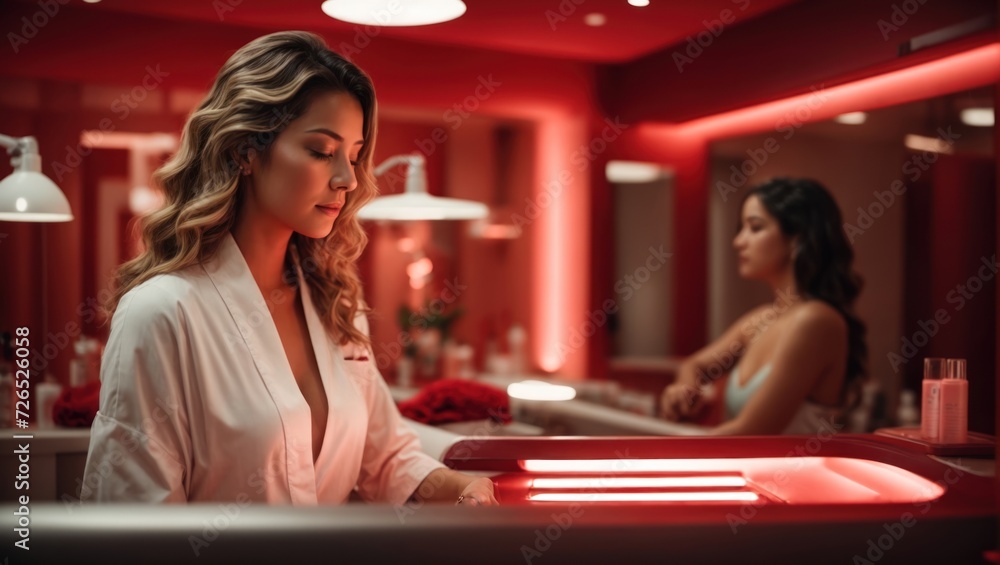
532	27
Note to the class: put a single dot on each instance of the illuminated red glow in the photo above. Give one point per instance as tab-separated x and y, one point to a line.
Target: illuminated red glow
733	481
793	480
962	71
655	489
556	301
558	260
559	248
737	496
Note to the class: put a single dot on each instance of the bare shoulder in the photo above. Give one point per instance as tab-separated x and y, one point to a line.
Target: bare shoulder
817	318
755	315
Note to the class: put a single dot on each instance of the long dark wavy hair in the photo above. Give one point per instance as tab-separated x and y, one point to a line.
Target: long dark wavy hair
822	259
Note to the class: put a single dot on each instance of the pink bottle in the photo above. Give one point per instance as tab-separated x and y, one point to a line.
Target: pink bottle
954	404
930	410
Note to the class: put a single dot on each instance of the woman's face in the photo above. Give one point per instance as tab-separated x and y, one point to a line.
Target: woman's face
311	166
763	250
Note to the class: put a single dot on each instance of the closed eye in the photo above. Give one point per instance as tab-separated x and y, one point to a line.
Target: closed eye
325	157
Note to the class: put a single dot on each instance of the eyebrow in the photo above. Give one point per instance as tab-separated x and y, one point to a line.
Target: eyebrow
334	135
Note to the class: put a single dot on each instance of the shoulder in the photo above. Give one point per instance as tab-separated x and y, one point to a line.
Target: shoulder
158	301
817	318
763	314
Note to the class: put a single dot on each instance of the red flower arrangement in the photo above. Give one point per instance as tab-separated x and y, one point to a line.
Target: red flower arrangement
457	400
77	406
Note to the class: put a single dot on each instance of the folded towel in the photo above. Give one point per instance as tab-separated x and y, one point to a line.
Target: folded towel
457	400
77	406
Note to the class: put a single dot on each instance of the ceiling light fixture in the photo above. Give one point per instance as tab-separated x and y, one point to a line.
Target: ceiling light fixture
394	12
924	143
978	117
626	172
415	203
595	19
26	195
852	118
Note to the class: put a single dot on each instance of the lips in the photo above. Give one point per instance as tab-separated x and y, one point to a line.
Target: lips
330	209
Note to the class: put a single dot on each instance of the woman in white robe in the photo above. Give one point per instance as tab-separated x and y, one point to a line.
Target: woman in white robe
238	366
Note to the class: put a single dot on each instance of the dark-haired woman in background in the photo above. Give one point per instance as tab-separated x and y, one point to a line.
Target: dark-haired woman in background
797	363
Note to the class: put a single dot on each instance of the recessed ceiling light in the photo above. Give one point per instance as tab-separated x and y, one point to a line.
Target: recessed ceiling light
623	172
852	118
639	3
924	143
394	12
979	117
91	1
595	19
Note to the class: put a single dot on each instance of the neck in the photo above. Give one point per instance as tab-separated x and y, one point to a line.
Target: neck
264	245
786	291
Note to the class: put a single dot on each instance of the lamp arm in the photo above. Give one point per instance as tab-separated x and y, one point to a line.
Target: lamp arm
412	159
416	179
8	141
23	152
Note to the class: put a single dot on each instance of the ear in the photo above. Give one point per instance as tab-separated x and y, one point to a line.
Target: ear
797	247
242	163
247	162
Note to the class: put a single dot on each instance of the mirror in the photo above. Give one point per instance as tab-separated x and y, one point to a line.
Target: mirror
643	275
916	187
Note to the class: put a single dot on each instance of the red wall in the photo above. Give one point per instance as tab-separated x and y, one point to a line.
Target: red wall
807	44
435	83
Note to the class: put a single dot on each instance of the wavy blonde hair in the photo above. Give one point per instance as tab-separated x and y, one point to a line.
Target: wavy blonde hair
264	86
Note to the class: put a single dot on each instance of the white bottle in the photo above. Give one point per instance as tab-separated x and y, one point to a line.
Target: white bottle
46	394
404	372
860	418
78	366
465	368
516	338
907	414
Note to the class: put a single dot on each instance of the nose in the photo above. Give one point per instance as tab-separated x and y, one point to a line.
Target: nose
738	240
343	177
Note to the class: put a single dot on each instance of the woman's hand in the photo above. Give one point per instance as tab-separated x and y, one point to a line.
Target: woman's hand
681	402
478	493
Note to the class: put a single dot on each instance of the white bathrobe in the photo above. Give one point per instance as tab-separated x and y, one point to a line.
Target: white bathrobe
198	403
